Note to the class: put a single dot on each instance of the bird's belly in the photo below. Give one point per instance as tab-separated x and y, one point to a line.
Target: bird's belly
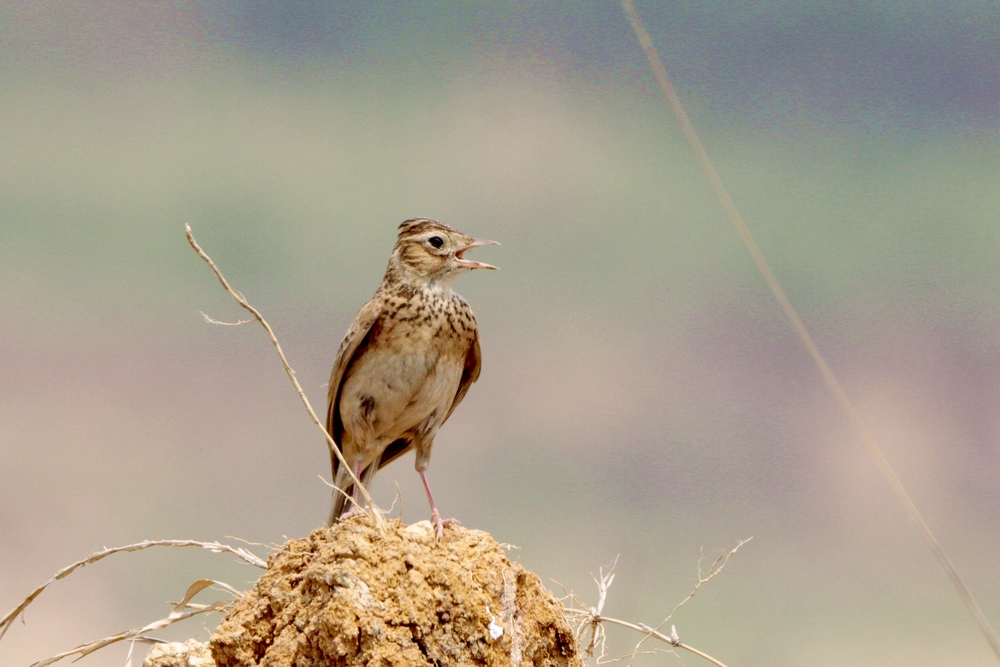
388	393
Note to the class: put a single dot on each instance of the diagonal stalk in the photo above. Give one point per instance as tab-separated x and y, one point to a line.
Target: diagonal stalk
660	73
331	445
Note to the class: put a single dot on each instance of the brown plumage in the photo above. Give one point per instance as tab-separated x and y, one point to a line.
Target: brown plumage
407	360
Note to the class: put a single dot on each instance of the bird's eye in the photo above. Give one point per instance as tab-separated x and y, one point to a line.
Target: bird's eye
436	241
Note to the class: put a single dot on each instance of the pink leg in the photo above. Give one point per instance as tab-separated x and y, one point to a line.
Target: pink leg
436	520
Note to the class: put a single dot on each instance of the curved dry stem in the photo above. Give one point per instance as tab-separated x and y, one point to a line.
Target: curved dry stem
335	453
674	101
182	610
215	547
595	621
673	640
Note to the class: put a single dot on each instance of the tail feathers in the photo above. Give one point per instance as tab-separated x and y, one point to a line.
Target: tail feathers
345	491
339	502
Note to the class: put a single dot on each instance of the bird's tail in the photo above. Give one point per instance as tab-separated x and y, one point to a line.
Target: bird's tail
344	496
339	500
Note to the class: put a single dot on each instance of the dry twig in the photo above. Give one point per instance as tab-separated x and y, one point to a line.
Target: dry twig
210	320
335	453
591	619
216	547
713	570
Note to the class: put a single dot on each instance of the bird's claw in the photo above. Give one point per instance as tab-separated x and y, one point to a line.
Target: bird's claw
440	523
351	513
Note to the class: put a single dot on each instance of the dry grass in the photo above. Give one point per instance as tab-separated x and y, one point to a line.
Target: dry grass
182	610
589	620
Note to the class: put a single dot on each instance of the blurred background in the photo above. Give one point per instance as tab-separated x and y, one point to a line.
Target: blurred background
642	395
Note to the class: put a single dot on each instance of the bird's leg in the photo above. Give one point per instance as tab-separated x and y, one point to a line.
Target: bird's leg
436	519
355	509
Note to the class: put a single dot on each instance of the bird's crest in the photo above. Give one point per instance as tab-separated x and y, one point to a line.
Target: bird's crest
418	225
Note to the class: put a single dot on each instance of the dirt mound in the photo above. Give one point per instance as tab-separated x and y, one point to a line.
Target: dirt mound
349	596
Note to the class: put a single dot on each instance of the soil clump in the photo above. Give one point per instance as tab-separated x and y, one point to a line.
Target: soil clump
348	595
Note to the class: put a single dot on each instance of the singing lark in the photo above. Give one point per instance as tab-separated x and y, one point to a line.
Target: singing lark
407	361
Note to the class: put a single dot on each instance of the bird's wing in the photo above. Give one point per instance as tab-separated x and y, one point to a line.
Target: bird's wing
365	324
473	364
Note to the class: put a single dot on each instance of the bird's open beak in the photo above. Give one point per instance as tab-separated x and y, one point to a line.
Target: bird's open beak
472	264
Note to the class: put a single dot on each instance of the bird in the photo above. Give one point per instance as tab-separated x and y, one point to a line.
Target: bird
406	362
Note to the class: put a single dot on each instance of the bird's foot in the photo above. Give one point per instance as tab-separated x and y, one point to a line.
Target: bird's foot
440	523
356	510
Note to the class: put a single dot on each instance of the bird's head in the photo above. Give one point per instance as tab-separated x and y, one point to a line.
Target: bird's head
429	251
